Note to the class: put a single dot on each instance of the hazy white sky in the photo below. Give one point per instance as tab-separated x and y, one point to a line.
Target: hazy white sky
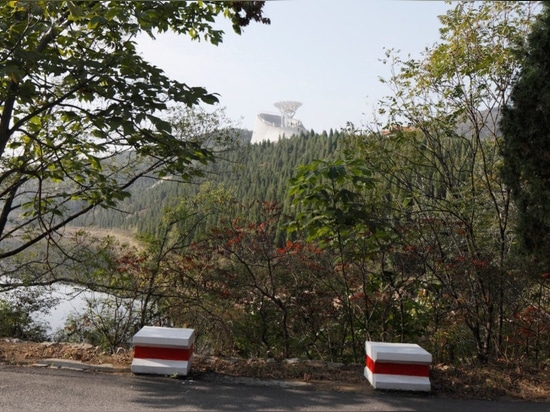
322	53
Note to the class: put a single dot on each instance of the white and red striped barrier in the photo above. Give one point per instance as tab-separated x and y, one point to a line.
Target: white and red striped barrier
401	366
163	351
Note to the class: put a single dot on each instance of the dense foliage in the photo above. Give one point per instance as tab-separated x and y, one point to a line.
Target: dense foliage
526	131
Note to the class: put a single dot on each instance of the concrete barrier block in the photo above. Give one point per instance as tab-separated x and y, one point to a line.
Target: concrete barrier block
399	366
163	351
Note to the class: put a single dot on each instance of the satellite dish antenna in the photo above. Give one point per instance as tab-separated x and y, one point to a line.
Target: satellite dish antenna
288	110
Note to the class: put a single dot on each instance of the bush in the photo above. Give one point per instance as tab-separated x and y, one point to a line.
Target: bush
18	310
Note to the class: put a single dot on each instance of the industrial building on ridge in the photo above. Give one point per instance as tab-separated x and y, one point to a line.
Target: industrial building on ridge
272	127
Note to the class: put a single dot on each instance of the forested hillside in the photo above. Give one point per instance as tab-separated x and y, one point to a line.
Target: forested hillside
251	173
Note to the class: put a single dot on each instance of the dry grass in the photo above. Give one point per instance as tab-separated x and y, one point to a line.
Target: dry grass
496	380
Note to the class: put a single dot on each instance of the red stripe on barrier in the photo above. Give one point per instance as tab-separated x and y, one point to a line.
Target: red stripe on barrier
408	369
148	352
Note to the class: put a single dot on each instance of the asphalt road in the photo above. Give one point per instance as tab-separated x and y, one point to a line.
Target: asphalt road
48	389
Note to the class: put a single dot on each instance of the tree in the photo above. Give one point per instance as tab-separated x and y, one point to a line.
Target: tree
329	196
525	126
82	114
442	119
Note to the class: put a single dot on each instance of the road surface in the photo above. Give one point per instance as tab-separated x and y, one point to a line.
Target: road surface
52	389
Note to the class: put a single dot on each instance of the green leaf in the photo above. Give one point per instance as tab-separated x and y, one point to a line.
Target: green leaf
75	10
96	21
36	120
94	162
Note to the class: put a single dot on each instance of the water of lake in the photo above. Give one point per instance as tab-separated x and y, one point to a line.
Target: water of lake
71	301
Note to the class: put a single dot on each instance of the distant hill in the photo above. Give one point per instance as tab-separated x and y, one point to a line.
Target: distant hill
253	172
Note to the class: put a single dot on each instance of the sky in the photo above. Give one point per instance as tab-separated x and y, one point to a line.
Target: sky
325	54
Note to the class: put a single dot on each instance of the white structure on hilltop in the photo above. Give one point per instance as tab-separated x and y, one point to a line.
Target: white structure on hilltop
272	127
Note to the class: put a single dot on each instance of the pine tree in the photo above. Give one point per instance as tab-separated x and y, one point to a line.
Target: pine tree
525	126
